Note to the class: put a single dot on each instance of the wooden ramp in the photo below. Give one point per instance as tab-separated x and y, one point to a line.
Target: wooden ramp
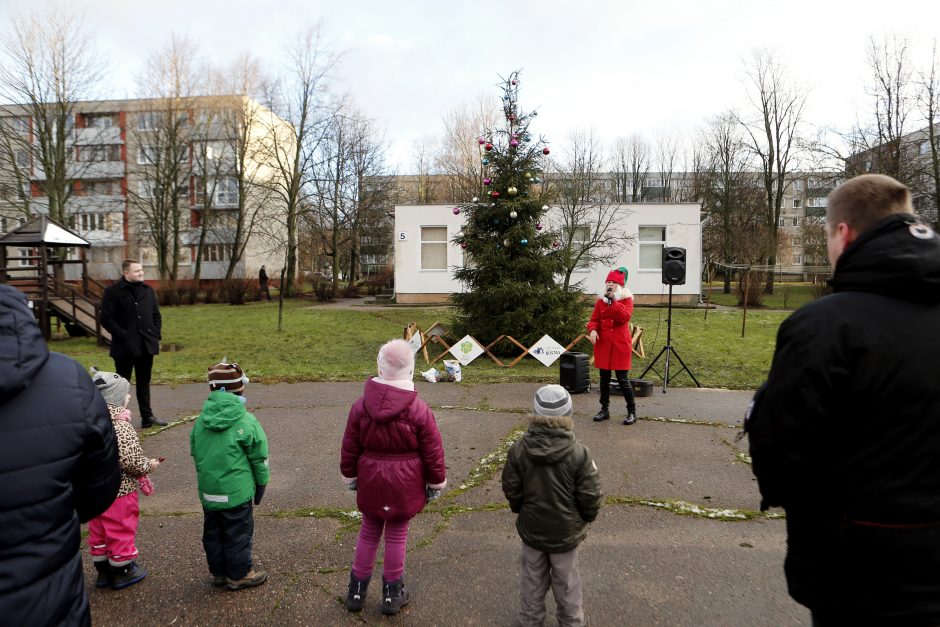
82	313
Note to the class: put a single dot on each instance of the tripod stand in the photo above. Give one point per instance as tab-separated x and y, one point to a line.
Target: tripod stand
669	350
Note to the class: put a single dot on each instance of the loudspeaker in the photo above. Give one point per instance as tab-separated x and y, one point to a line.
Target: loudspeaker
673	265
574	372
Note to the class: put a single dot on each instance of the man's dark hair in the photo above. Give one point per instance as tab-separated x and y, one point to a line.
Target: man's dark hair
865	200
127	264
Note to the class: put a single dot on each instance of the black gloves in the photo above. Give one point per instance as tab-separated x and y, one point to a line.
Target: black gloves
259	493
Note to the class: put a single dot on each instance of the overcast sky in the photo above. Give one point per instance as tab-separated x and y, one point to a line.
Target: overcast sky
619	66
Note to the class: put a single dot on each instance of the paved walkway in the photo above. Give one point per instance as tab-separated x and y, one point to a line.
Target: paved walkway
665	550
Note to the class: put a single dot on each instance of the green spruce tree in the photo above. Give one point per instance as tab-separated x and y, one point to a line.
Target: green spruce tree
511	275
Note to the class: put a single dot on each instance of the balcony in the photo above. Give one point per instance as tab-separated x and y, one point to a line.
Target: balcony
86	204
93	136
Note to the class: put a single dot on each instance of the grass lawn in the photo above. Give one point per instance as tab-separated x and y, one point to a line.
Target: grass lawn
328	344
785	296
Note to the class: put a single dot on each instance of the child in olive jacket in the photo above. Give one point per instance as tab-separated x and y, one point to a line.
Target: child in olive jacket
231	454
552	483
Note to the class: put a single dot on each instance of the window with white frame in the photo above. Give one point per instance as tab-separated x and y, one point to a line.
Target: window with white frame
795	222
924	148
99	153
782	222
146	155
433	247
216	252
101	188
100	120
22	157
26	252
226	192
21	126
89	221
817	201
145	189
581	237
798	185
148	120
797	203
652	240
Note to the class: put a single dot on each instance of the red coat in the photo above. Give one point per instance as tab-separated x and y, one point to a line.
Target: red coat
614	347
393	449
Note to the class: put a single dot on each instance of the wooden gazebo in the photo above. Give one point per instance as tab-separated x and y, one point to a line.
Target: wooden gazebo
38	270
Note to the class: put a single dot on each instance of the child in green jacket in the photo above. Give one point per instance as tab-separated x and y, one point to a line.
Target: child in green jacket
231	454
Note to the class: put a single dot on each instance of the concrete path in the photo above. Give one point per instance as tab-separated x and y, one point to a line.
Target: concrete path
667	548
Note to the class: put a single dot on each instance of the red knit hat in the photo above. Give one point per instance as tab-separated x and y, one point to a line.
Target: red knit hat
617	275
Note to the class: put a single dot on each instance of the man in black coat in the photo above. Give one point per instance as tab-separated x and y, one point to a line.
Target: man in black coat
58	466
130	313
263	284
845	434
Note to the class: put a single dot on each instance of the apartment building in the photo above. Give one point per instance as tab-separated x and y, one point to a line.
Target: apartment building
146	177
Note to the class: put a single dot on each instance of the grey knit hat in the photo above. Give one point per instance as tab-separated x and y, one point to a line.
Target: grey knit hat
113	387
552	400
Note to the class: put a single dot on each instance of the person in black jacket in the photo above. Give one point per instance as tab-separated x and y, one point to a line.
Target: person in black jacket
130	313
551	481
263	289
845	433
58	466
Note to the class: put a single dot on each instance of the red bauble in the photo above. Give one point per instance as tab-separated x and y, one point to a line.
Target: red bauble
488	146
463	245
494	194
545	150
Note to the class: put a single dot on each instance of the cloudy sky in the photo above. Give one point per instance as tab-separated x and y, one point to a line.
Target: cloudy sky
617	66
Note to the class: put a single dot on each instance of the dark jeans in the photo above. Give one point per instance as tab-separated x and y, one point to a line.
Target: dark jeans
226	537
142	366
624	382
263	290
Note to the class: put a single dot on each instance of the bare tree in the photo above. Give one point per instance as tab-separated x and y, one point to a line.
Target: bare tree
667	153
773	132
48	66
298	98
425	168
589	225
460	157
929	105
631	162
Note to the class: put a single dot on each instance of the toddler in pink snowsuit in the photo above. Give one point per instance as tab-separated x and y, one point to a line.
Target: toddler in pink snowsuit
111	535
393	457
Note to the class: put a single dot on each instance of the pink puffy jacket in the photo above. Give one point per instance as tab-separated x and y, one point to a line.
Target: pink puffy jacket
394	451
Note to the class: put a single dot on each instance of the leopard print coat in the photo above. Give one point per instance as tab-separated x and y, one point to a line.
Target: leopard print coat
134	463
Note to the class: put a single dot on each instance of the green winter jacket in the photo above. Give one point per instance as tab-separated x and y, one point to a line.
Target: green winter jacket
230	450
551	481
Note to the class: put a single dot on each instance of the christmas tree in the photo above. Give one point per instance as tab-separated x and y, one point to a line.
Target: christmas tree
512	267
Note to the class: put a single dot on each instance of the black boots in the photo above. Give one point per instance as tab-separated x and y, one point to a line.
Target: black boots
631	417
394	596
126	575
152	421
602	415
105	573
357	592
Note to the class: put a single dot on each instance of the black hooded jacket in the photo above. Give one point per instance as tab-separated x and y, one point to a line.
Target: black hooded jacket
845	434
58	465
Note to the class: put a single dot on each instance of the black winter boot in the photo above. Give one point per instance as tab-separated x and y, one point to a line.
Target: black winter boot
631	417
394	596
357	592
602	415
127	575
105	573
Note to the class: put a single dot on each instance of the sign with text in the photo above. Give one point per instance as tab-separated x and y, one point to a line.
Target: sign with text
466	350
546	350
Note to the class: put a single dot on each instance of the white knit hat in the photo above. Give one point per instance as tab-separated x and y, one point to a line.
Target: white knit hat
552	400
396	361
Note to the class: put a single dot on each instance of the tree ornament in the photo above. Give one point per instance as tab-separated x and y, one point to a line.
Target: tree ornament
511	117
526	137
513	142
494	194
512	191
545	150
481	140
456	211
486	161
538	226
556	244
493	204
513	215
525	193
524	242
528	175
506	243
476	199
536	180
514	81
487	181
463	245
489	147
544	207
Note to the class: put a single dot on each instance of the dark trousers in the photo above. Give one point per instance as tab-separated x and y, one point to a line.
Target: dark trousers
226	538
624	382
142	366
264	290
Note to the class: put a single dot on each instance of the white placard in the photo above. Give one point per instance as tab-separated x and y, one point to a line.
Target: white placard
466	350
546	350
402	236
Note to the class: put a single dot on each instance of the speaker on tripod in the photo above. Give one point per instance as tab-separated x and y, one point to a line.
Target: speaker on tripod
673	274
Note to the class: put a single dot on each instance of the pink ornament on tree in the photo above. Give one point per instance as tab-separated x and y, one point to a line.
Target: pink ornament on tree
481	140
456	211
545	150
538	226
513	142
487	181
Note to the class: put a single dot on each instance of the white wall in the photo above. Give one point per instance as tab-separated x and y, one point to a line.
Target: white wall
683	228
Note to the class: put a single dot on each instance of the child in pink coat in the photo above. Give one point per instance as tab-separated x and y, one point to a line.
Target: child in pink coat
112	535
393	457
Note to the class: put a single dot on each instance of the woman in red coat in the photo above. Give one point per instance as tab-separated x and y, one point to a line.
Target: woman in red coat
609	332
393	458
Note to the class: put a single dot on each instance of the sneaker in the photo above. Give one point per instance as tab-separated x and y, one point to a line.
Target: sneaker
602	415
394	596
127	575
252	579
630	419
356	593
